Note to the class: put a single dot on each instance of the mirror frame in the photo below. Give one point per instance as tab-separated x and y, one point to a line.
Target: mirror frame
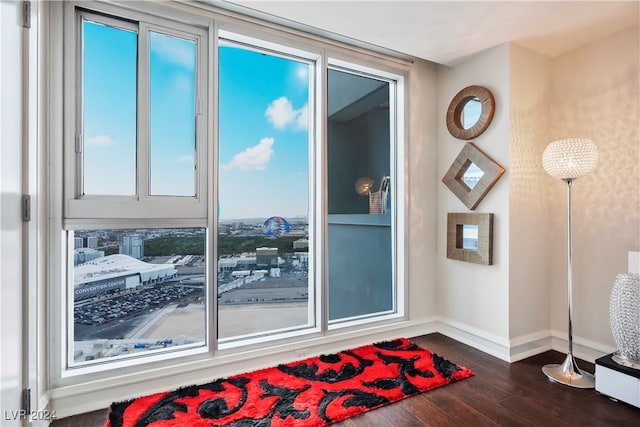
453	179
484	221
454	112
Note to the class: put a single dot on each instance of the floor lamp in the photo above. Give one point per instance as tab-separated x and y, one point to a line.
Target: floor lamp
569	159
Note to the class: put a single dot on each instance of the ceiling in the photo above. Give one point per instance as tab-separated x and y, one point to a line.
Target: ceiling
446	32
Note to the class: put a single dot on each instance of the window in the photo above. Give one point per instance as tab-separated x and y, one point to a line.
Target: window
136	221
109	88
220	190
136	291
172	115
264	193
139	143
362	172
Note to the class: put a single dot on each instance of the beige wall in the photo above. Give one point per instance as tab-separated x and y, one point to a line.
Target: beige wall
520	303
528	207
421	188
472	297
595	93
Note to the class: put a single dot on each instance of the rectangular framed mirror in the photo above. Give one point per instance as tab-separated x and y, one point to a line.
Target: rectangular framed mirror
470	237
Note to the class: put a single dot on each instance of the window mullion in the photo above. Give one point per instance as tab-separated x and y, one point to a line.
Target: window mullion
320	210
143	113
208	160
78	137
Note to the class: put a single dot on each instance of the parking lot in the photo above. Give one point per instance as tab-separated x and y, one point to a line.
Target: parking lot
111	315
116	314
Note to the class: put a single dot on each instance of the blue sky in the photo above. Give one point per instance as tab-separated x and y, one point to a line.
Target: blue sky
263	123
109	98
263	135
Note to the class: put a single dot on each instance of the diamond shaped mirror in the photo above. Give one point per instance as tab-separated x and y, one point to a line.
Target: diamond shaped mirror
471	175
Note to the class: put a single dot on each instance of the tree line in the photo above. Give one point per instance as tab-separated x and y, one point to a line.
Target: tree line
227	245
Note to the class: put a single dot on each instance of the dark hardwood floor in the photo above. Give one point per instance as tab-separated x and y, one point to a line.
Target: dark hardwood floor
500	394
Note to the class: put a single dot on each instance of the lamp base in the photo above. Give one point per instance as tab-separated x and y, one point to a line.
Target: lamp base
624	361
569	374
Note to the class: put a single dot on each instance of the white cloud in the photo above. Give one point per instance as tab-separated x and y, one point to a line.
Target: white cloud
302	121
253	158
185	158
100	140
174	50
281	114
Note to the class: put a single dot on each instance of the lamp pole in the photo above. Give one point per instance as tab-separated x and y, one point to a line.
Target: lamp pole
570	269
568	372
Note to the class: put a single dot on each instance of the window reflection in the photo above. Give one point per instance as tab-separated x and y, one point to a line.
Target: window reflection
471	113
472	175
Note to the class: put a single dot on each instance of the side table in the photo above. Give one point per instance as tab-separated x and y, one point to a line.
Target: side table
617	381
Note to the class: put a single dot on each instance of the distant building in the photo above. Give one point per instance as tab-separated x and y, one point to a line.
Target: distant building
267	257
82	255
301	259
228	264
301	244
132	245
91	242
78	242
296	233
117	272
241	273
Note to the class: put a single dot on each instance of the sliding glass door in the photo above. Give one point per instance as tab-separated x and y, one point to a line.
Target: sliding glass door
263	241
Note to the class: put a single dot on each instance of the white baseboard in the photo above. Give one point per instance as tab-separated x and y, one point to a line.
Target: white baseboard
529	345
486	342
582	348
521	347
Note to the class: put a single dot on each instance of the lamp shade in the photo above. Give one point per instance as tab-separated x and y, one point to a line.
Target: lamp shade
363	185
570	158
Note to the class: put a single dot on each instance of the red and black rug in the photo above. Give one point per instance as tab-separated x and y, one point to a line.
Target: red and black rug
311	392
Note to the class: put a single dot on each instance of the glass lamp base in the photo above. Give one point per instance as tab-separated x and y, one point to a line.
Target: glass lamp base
569	374
629	363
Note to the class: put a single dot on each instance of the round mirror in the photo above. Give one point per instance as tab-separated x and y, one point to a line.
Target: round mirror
470	112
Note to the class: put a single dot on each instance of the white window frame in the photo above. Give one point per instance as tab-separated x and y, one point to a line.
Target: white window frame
142	210
79	207
78	368
397	173
314	318
70	212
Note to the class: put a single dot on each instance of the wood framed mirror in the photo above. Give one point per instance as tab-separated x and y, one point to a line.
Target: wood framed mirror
470	237
470	112
471	175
